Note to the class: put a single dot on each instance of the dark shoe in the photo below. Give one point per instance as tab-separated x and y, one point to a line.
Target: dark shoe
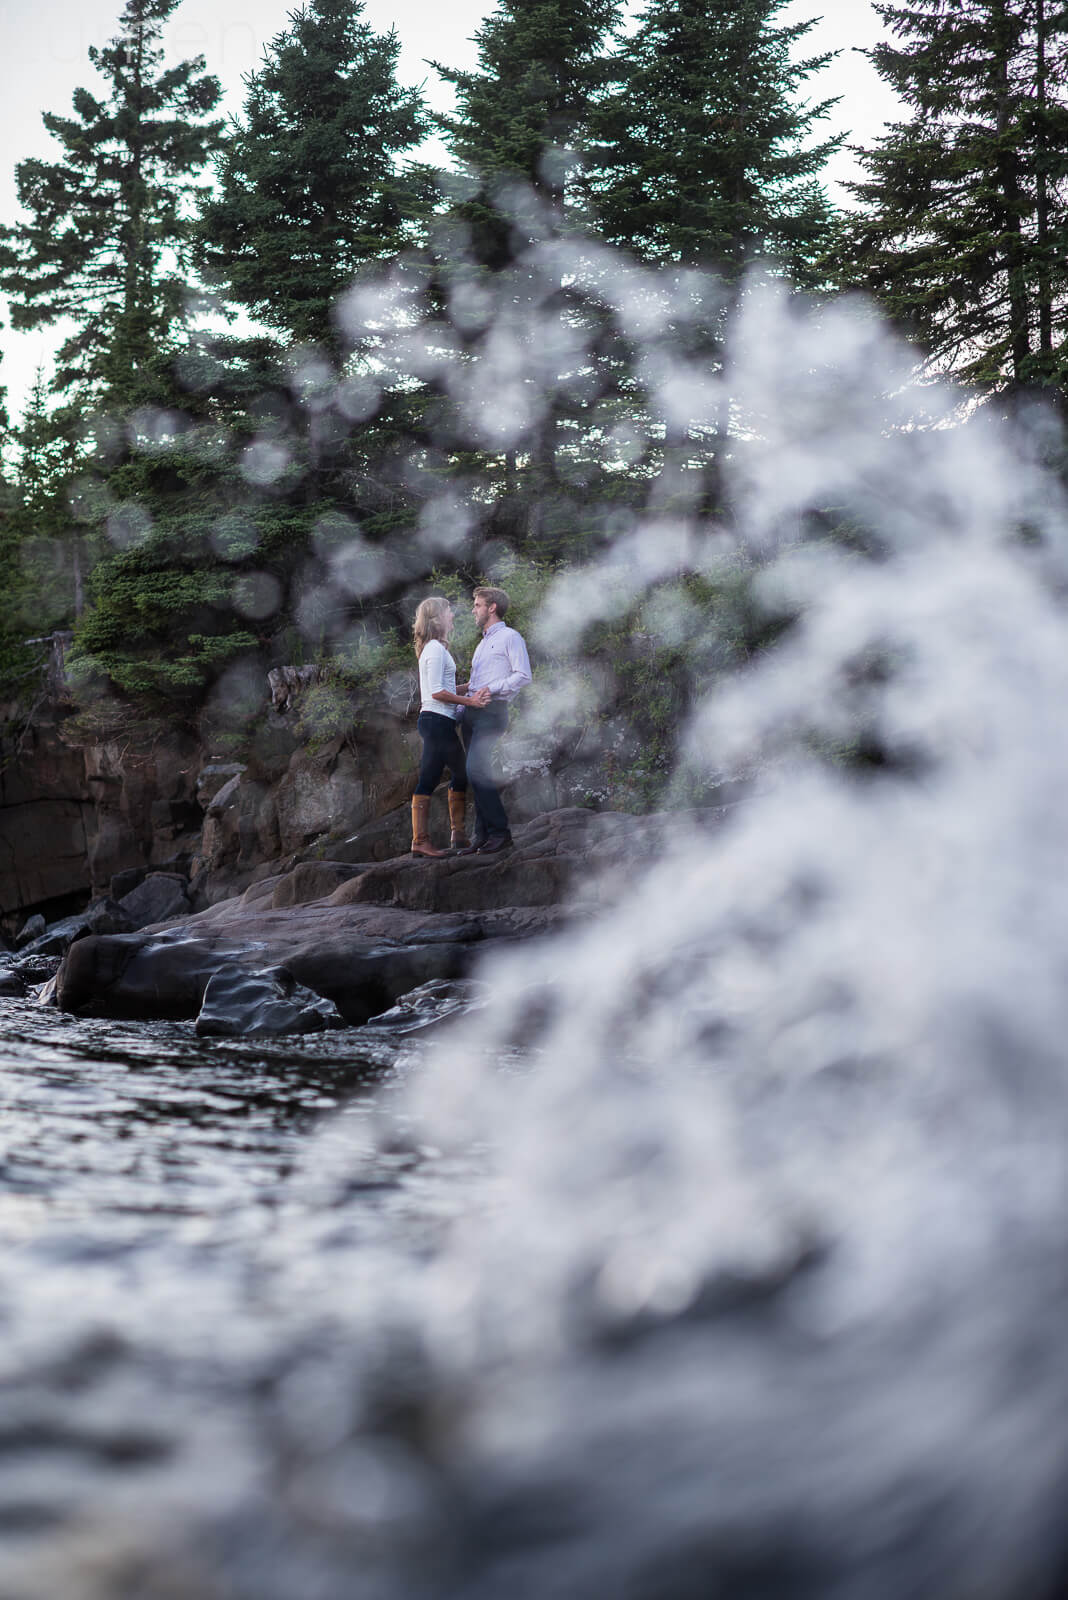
495	842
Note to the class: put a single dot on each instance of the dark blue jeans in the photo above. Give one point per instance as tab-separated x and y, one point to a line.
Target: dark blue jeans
441	749
482	729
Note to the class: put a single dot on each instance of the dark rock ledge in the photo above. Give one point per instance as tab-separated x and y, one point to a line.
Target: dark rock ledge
363	935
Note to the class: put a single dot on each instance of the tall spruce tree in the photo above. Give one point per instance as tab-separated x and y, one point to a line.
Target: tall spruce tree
216	541
701	152
311	185
702	156
964	232
106	239
517	134
521	114
52	542
14	658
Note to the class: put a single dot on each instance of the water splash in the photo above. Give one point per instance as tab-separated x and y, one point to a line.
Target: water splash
767	1299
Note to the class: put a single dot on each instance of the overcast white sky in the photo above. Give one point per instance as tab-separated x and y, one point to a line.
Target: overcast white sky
43	50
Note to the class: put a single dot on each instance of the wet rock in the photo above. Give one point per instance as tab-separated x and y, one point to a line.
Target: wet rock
161	897
363	958
35	969
431	1006
31	929
103	916
130	975
12	985
46	994
242	1004
57	937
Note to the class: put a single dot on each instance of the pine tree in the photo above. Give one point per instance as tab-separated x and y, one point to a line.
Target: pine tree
964	232
522	113
700	152
701	156
106	240
16	662
311	191
182	519
517	134
53	544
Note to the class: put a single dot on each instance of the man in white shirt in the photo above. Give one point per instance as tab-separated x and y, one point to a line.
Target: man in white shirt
501	665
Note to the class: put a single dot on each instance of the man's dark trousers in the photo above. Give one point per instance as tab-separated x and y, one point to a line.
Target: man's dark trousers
482	727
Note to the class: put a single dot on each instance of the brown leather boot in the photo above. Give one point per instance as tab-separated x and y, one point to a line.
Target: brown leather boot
457	805
421	845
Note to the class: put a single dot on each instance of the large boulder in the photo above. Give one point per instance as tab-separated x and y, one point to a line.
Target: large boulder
430	1008
159	898
571	850
365	934
363	958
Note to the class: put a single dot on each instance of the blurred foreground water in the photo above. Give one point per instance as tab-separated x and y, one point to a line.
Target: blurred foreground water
176	1245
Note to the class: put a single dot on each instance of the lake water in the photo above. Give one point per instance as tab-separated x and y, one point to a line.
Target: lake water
177	1240
262	1341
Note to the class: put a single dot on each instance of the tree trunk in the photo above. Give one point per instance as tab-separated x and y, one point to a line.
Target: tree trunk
76	573
1045	289
1008	174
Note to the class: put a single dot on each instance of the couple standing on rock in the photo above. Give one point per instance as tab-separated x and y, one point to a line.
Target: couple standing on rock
460	724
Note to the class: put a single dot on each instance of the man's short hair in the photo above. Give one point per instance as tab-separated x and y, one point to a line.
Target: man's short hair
494	597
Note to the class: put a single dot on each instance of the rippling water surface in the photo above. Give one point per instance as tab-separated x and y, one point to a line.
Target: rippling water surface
172	1221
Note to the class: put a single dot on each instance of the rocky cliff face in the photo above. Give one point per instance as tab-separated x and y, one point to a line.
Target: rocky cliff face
79	821
287	800
72	818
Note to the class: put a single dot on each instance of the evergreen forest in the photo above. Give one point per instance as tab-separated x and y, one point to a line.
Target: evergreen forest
305	375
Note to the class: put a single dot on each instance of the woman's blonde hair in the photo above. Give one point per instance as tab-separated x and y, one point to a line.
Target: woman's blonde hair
430	621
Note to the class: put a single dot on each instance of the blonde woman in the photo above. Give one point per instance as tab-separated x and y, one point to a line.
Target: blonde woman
439	710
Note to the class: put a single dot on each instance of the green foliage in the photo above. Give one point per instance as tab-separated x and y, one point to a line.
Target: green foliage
964	231
238	503
662	651
699	152
356	684
54	550
19	664
309	188
157	631
107	231
521	113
